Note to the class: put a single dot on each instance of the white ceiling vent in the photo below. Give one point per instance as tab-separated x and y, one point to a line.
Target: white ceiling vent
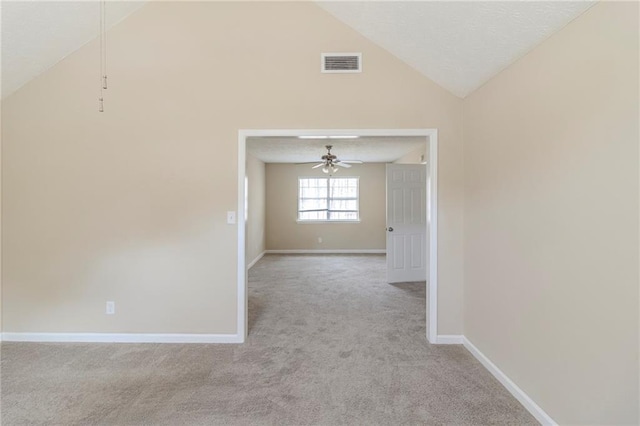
341	62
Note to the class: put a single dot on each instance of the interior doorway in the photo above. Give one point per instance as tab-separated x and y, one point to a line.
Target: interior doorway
431	148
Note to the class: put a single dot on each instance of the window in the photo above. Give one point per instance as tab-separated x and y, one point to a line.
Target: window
328	199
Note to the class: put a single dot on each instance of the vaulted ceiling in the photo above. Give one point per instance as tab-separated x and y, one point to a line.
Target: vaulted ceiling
38	34
459	45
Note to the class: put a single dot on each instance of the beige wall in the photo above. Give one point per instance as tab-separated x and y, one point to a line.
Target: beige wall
551	219
284	233
256	205
130	205
0	213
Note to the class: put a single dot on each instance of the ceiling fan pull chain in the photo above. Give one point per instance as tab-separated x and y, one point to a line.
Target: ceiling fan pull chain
103	54
104	43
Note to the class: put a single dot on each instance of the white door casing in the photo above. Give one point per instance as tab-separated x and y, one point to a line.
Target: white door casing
431	140
406	223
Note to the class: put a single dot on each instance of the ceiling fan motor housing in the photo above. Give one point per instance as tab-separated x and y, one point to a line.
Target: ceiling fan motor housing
329	157
330	162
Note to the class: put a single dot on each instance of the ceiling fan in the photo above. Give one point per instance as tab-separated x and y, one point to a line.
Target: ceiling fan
330	162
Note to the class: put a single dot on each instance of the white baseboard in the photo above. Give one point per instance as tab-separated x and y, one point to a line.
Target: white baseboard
449	339
254	261
518	393
121	338
336	251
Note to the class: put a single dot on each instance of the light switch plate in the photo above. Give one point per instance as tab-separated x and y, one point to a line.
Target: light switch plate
231	218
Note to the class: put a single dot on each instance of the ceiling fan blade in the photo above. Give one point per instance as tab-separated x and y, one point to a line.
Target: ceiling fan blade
342	164
318	165
351	161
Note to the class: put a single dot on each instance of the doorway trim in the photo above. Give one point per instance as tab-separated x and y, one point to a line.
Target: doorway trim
431	139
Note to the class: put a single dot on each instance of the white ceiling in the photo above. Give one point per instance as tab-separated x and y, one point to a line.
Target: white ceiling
368	149
38	34
459	45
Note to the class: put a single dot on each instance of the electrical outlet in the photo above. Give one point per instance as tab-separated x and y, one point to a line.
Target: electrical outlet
111	308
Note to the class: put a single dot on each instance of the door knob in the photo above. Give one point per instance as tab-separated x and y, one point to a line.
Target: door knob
390	229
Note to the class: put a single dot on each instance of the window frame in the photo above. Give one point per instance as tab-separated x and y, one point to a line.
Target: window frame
328	199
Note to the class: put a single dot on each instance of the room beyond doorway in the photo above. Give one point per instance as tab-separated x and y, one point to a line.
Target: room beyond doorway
427	138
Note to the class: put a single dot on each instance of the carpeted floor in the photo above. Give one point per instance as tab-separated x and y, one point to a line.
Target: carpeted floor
330	343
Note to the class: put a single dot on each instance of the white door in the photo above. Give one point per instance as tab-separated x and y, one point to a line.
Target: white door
406	223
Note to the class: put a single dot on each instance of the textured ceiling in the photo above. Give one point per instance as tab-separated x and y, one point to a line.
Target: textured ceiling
38	34
459	45
367	149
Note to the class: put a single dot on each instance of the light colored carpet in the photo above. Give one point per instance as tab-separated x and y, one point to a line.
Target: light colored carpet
330	343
